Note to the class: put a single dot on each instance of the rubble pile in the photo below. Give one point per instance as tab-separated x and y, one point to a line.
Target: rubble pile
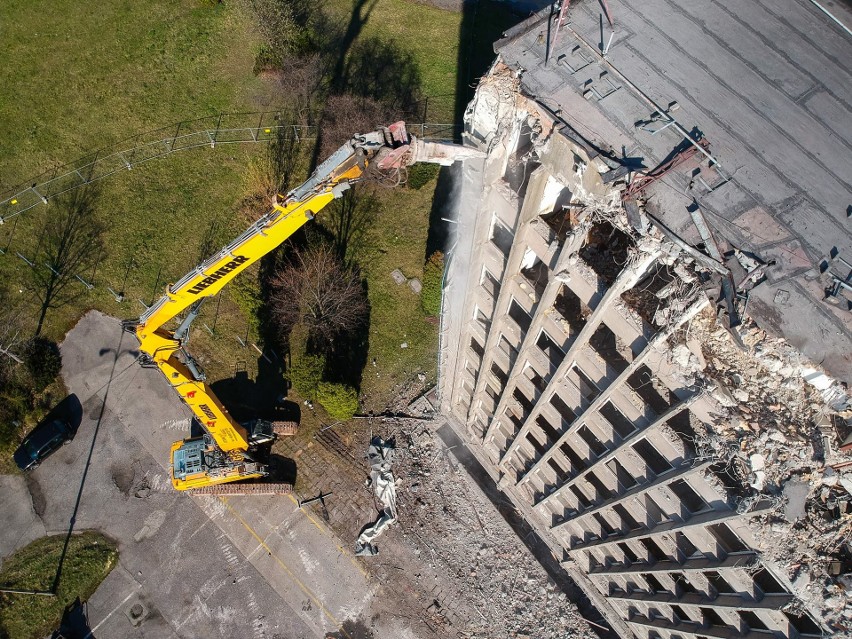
777	429
451	525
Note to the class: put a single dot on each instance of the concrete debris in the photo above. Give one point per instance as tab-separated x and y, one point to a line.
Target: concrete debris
485	560
398	277
770	405
380	454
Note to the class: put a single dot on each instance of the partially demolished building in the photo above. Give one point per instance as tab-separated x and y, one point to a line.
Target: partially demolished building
637	223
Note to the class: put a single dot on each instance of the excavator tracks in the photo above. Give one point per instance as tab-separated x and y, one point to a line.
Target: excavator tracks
238	489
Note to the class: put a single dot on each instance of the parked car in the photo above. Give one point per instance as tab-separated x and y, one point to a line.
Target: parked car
41	442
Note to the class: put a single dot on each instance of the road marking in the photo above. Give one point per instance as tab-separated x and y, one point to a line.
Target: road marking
329	534
90	634
286	568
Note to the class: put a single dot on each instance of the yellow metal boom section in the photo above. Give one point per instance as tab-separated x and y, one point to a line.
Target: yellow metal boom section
328	181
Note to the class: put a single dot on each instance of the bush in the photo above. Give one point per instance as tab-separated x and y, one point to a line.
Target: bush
421	174
305	375
43	362
340	401
433	276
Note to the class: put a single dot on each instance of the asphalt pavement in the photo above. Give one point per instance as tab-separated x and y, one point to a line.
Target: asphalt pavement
199	566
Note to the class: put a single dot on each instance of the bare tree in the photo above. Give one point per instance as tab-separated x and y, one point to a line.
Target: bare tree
317	291
71	243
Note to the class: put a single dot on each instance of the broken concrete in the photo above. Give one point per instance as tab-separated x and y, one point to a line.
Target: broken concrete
607	373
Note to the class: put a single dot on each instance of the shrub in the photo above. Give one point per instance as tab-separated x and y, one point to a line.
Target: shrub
43	362
420	174
339	400
305	375
433	275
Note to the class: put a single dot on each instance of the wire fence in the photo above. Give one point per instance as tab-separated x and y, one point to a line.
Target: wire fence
226	128
134	151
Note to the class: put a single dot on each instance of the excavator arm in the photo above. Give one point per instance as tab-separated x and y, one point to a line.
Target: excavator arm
225	452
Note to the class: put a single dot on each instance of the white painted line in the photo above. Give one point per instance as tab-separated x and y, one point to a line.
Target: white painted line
830	15
89	635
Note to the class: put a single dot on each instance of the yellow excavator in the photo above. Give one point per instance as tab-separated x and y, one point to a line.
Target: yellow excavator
229	451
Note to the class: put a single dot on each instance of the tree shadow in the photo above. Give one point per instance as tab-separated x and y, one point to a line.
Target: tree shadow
483	22
361	10
75	622
71	242
346	355
263	397
349	218
352	629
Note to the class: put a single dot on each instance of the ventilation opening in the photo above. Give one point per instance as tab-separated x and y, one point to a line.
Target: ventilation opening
651	390
628	552
649	454
476	347
686	426
520	316
804	624
502	237
643	299
605	344
568	415
623	426
535	272
606	251
578	463
572	309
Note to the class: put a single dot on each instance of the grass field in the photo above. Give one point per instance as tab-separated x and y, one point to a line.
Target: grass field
89	559
79	77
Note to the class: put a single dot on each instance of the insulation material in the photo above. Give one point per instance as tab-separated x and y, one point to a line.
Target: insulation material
380	454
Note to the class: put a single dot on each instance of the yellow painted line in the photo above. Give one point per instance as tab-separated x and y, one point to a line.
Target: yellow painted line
330	534
286	568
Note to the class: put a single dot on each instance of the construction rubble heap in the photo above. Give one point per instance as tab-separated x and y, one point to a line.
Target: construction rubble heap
623	351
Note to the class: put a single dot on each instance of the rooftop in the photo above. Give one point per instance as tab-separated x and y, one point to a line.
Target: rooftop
767	88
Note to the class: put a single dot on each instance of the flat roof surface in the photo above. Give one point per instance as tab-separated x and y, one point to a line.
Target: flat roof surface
769	85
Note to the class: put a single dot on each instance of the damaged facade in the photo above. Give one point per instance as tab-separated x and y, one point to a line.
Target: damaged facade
683	465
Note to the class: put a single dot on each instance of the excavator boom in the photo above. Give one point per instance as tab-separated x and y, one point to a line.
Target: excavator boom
225	452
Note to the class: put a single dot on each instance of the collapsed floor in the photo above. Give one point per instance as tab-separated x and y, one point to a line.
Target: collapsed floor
684	466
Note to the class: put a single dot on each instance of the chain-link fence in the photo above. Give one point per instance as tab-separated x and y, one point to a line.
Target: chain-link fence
229	128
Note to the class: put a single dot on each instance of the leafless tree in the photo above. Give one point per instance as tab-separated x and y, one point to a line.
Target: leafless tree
315	289
71	243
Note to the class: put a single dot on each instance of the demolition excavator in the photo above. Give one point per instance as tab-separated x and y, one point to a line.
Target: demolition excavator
228	451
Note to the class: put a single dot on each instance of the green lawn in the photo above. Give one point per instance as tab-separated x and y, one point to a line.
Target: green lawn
89	559
82	76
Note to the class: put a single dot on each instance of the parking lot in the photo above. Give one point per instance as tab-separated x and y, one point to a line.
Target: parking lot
199	566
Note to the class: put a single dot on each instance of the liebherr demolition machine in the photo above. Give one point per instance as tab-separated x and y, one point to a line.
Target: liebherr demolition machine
229	451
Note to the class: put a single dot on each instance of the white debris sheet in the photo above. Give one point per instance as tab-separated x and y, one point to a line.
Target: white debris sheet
380	454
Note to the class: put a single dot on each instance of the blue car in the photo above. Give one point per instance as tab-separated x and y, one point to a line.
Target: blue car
40	443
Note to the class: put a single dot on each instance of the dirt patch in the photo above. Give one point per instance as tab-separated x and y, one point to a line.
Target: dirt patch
37	494
122	477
